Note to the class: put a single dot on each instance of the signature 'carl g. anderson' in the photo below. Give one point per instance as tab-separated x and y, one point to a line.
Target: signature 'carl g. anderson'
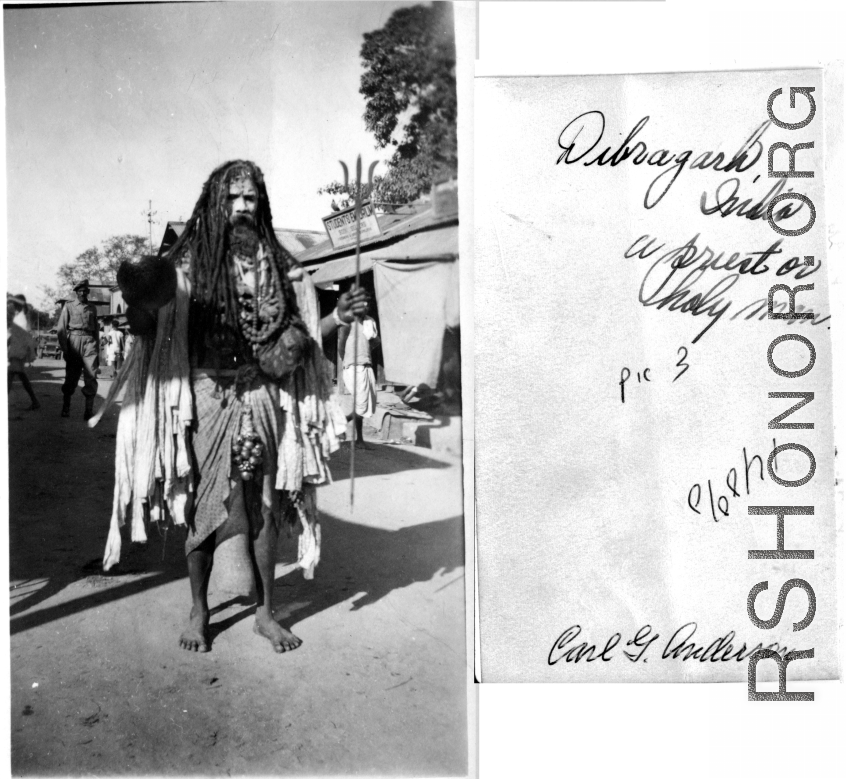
681	646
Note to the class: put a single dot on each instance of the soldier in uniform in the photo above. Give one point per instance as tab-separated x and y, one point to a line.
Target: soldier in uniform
78	334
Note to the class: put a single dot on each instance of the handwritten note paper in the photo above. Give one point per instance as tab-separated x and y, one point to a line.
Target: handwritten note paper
628	374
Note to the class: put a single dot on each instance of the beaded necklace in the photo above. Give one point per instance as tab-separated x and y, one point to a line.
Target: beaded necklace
261	310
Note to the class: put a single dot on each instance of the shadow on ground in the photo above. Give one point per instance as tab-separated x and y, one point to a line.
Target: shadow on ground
356	560
365	562
61	477
380	460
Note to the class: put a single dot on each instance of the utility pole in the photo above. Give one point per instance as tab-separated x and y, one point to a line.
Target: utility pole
150	213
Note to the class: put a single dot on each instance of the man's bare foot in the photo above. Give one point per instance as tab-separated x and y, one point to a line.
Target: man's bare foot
362	445
281	639
195	637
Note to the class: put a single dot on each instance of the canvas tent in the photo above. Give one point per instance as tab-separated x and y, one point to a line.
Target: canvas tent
413	270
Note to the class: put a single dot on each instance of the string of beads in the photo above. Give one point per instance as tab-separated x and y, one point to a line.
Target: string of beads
261	311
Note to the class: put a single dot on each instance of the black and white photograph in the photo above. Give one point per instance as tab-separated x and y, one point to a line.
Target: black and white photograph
236	537
424	388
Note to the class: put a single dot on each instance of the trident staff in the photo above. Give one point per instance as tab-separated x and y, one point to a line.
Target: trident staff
356	325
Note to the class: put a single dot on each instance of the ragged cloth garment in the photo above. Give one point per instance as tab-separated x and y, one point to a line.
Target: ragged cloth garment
174	437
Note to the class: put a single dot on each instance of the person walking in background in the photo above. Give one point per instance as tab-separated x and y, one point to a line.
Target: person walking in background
20	346
79	340
361	371
115	347
129	340
103	350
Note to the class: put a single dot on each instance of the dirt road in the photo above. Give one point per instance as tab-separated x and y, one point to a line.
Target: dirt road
99	685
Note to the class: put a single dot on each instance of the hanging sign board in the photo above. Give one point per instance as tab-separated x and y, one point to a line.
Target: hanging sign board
341	226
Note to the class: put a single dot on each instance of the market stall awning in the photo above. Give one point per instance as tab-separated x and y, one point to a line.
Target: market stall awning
440	244
336	270
418	302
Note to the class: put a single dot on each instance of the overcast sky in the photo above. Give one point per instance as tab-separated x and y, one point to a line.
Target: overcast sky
108	107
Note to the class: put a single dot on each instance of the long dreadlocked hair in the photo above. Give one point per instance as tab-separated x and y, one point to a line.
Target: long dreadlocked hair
207	238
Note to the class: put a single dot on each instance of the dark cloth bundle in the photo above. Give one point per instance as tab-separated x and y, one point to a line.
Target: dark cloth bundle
146	286
148	283
283	353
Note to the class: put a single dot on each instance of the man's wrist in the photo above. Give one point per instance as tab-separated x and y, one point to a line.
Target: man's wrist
336	317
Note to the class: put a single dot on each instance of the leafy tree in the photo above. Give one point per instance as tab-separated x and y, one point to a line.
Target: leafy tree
119	248
410	77
380	192
337	188
52	306
409	85
98	264
39	319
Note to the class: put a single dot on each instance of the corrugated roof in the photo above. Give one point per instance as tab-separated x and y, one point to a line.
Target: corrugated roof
393	227
440	243
172	231
297	241
435	244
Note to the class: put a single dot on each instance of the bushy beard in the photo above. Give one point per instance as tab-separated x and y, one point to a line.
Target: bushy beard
243	237
242	218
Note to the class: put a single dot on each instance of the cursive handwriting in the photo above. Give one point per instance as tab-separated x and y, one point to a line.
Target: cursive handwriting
688	255
760	308
720	650
727	202
582	134
657	289
681	646
573	654
673	279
